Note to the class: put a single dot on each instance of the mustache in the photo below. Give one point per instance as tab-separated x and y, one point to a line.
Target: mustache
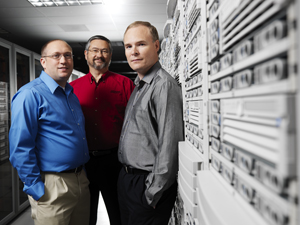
101	58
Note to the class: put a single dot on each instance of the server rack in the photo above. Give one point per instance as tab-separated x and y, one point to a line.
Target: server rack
237	63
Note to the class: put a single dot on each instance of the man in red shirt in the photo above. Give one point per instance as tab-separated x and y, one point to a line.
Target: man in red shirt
103	96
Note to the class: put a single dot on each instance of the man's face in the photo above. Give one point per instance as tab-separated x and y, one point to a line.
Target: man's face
98	55
59	69
140	50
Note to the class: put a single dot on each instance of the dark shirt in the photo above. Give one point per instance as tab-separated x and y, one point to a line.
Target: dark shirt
152	128
103	105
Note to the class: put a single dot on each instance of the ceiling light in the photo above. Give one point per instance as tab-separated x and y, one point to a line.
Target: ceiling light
51	3
37	4
60	3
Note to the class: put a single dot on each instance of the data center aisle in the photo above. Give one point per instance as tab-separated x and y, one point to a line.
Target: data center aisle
25	217
102	213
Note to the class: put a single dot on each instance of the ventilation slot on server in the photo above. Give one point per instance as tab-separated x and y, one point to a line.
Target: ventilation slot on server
247	17
193	15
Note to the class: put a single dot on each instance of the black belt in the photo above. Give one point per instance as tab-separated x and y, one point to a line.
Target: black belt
76	170
103	152
131	170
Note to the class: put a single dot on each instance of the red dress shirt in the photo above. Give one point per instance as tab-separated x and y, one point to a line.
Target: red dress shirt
103	105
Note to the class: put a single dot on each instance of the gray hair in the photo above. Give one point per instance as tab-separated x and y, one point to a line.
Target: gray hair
98	37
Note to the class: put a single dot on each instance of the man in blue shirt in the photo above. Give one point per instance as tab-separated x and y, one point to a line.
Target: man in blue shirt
48	144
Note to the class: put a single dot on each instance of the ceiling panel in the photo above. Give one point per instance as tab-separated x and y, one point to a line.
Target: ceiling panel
19	12
7	22
89	10
38	30
82	20
74	28
102	27
14	4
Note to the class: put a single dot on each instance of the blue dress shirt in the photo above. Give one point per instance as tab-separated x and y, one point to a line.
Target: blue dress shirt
47	132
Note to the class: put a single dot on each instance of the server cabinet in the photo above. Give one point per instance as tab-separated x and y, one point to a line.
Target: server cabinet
6	172
237	65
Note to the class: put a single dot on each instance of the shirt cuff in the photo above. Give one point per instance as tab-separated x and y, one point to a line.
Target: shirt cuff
152	198
36	190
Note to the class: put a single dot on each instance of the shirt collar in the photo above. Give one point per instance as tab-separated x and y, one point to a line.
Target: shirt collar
52	85
103	77
152	72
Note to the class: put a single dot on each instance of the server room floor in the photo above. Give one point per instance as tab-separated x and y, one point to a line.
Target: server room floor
25	217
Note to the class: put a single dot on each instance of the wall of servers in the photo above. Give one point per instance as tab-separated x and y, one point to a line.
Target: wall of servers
4	126
236	61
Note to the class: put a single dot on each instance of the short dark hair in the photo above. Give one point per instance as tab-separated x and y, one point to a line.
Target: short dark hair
45	46
99	37
152	29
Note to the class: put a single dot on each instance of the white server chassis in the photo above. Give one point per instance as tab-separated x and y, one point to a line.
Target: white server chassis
237	62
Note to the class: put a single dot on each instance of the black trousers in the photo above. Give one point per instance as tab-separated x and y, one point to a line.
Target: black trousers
133	204
102	172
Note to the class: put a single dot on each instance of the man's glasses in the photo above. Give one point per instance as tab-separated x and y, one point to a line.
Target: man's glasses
58	56
96	51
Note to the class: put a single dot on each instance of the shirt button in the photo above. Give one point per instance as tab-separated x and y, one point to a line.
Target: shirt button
96	110
83	138
95	138
72	109
78	124
96	98
95	124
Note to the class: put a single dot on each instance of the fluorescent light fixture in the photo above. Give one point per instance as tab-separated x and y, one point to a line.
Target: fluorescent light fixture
51	3
38	4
